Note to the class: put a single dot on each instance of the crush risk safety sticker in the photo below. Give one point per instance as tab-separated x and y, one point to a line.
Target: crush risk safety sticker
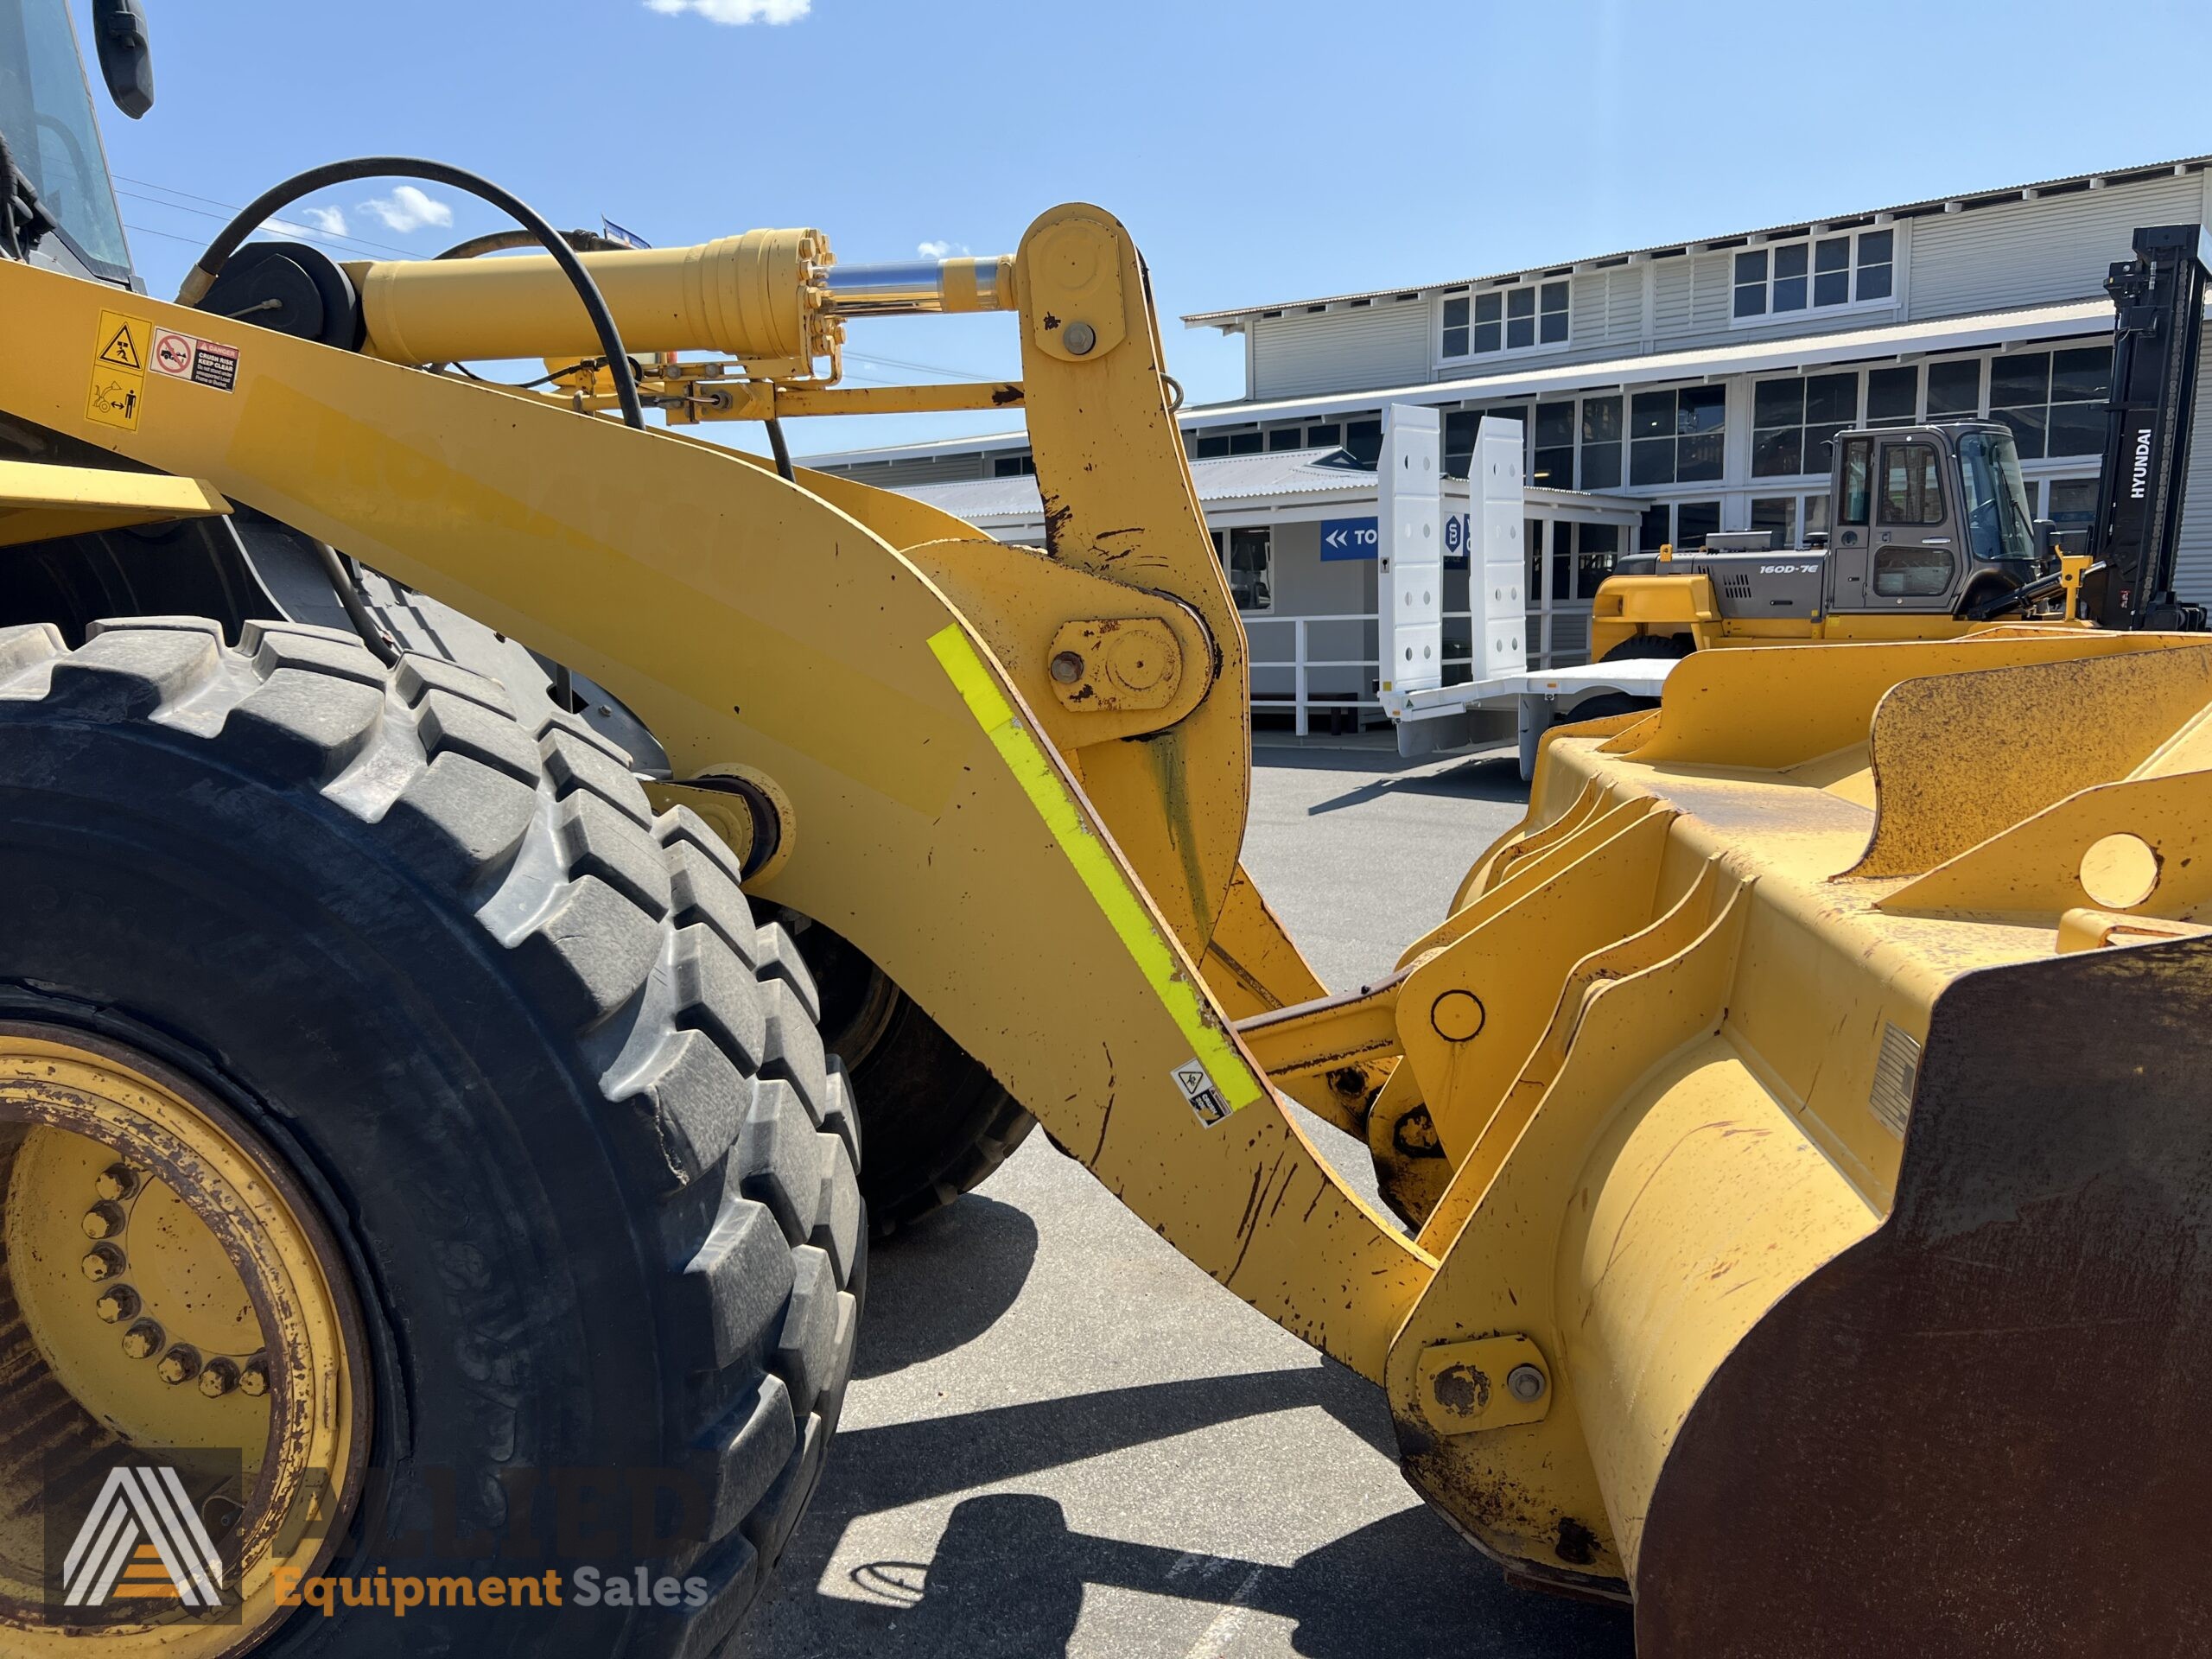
125	349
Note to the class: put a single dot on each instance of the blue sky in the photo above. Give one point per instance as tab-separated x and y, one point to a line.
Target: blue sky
1258	151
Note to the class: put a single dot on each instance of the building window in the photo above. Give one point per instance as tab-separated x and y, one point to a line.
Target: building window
1694	521
1794	423
1365	440
1212	444
1676	436
1777	516
1691	522
1954	388
1783	515
2053	401
1326	435
1596	551
1462	426
1515	319
1814	275
1286	438
1893	395
1552	463
1601	443
1013	467
1249	557
2073	508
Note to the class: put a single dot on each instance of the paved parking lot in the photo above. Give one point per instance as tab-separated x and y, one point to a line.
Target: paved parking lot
1062	1438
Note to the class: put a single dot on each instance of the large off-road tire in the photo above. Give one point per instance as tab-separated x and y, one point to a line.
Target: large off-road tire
937	1122
562	1107
1638	647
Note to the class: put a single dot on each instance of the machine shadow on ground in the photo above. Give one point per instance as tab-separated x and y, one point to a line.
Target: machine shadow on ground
1490	777
1009	1574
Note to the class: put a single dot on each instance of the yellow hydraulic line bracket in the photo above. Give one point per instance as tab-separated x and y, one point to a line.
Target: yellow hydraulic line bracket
752	624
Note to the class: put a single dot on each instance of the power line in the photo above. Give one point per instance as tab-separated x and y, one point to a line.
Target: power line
232	209
918	368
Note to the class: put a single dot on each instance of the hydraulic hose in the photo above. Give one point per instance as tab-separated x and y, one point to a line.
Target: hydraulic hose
269	202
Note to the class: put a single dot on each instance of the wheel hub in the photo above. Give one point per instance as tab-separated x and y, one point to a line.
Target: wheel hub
167	1288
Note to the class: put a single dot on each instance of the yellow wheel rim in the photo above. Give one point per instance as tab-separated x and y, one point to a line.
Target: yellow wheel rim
167	1288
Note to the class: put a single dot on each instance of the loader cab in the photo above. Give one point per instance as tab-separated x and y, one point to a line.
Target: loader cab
46	115
1927	518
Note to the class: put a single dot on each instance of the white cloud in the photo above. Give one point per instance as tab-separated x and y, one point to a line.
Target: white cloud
939	250
735	11
329	220
408	209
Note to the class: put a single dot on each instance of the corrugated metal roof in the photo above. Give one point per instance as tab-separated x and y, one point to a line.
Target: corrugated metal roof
1965	200
1228	478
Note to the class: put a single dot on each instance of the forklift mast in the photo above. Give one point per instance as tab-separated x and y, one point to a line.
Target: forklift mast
2159	298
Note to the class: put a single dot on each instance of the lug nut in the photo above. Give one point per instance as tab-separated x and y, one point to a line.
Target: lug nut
103	1261
180	1364
103	1219
1525	1383
220	1377
253	1381
142	1339
1067	668
118	1303
118	1181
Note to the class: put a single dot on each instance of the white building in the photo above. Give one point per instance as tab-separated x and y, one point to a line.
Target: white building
1665	392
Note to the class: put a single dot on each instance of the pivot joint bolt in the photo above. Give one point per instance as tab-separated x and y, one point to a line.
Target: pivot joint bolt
103	1219
142	1339
1079	338
1067	667
103	1261
118	1303
180	1364
1525	1383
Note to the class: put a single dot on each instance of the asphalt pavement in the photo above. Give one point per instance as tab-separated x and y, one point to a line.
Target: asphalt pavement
1062	1438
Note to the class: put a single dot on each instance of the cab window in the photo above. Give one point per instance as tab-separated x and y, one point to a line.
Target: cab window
1912	572
1858	456
1912	485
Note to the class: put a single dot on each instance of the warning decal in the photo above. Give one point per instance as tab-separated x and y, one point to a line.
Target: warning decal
171	352
120	351
1197	1089
123	349
204	362
215	366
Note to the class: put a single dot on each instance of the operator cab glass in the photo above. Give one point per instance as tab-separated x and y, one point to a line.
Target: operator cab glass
1997	520
45	112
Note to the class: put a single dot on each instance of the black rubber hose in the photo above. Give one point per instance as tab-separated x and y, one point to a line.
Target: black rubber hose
264	207
341	582
782	451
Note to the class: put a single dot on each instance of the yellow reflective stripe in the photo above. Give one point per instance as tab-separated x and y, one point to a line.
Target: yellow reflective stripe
1041	780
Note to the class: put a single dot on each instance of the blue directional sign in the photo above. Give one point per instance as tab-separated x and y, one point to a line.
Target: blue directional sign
1348	538
1458	534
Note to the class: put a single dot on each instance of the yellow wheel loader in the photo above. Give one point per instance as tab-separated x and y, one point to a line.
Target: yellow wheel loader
426	1194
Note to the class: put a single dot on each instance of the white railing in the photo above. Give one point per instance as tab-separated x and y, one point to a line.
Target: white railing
1302	663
